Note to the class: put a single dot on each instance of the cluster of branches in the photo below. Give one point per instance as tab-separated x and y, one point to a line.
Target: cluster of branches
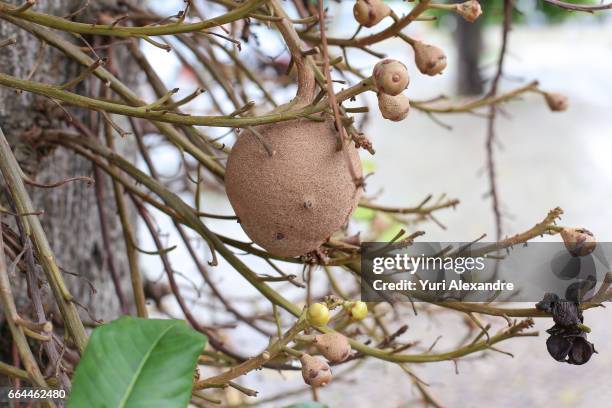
201	42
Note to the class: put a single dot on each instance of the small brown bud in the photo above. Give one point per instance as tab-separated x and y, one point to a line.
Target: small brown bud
368	13
556	102
469	10
334	346
430	60
394	108
390	77
315	371
578	241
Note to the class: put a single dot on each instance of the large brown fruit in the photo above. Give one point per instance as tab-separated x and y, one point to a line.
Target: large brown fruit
293	201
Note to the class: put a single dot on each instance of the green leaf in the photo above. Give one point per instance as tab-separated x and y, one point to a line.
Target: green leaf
364	214
307	405
133	362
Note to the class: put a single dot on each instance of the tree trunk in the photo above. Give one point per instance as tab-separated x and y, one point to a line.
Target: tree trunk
71	218
469	48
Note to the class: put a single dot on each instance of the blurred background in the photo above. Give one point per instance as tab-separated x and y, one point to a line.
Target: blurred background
543	160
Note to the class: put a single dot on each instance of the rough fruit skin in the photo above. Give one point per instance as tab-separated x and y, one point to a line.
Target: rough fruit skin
292	202
578	241
556	102
429	59
469	10
333	346
315	371
390	76
394	108
368	13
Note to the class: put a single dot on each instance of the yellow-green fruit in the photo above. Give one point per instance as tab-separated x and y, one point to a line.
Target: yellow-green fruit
291	202
394	108
318	314
333	346
315	371
556	102
429	59
390	77
358	310
368	13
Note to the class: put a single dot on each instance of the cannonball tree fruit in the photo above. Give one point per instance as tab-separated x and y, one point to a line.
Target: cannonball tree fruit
578	241
394	108
556	102
333	346
429	59
293	195
469	10
390	77
368	13
315	371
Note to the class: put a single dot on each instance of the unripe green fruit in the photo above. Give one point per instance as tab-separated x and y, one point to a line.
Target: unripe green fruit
315	371
390	77
358	310
429	59
318	314
394	108
368	13
334	346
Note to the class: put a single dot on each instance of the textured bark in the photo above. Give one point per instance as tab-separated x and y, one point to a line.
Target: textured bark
70	217
469	48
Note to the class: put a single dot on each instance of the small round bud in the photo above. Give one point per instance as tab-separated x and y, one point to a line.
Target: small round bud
390	77
394	108
358	310
581	351
334	346
315	371
469	10
578	241
556	102
368	13
318	314
558	347
430	60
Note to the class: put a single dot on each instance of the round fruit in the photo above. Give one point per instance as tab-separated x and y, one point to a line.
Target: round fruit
358	310
368	13
556	102
318	314
294	192
394	108
315	371
334	346
390	76
469	10
578	241
429	59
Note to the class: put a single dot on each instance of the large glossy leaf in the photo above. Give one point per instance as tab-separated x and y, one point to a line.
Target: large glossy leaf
134	362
